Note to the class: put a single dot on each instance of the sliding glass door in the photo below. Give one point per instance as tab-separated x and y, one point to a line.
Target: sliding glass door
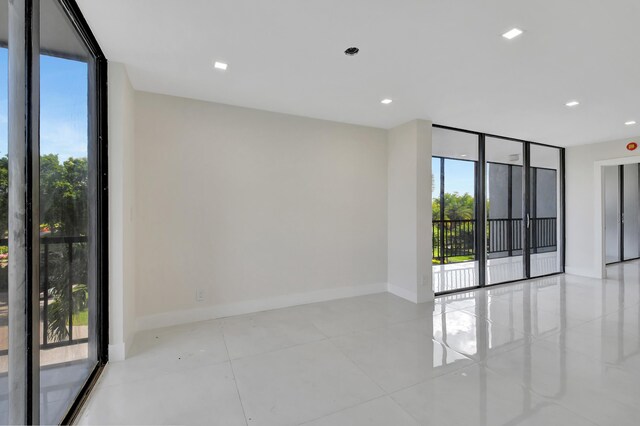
52	211
631	211
612	214
68	213
454	227
504	207
511	227
544	210
622	212
4	215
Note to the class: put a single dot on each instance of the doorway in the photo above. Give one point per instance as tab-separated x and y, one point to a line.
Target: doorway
622	212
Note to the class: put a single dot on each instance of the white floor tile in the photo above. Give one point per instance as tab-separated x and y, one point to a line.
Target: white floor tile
379	412
197	396
560	350
401	355
600	392
397	309
336	318
298	384
473	336
264	333
171	349
471	396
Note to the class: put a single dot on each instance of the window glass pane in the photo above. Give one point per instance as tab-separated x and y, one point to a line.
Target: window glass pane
4	215
505	259
612	213
544	223
455	260
435	206
67	354
631	212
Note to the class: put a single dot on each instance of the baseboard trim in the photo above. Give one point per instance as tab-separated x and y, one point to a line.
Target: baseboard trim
186	316
120	351
117	352
581	272
402	292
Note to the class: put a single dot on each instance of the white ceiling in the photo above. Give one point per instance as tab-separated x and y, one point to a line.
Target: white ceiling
437	59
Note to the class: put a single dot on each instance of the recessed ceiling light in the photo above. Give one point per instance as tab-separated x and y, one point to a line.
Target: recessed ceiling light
512	33
630	123
463	155
220	65
386	101
572	103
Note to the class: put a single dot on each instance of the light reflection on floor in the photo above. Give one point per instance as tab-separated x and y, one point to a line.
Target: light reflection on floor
560	350
462	275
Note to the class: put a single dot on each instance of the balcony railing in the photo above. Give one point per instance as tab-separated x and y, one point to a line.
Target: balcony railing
455	240
63	266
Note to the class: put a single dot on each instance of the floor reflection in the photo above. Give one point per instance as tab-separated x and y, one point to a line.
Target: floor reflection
456	276
569	343
560	350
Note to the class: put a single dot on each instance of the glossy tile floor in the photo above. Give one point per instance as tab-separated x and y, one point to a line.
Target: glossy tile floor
553	351
59	384
457	276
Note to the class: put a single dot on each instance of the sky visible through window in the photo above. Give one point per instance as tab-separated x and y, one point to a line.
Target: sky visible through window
63	106
458	176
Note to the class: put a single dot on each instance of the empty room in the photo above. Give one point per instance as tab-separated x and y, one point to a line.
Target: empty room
319	212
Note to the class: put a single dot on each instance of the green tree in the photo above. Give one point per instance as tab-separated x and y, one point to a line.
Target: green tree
51	172
458	207
63	212
63	195
435	208
4	197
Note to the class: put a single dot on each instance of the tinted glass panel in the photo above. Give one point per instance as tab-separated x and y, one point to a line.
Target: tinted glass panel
454	227
4	215
504	227
67	215
544	223
631	212
612	213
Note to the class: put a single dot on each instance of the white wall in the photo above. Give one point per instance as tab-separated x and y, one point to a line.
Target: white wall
263	210
258	209
409	218
584	203
121	214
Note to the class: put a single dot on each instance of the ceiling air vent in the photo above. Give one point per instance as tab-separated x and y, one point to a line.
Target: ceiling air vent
352	51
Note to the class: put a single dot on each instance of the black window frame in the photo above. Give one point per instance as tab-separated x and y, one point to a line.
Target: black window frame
480	193
24	54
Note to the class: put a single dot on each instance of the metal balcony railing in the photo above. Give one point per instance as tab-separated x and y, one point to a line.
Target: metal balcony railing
62	259
455	240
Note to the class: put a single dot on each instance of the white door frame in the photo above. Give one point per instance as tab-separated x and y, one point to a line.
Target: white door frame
600	249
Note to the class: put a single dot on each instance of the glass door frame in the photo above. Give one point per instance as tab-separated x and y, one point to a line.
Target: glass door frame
24	141
621	219
441	198
481	214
